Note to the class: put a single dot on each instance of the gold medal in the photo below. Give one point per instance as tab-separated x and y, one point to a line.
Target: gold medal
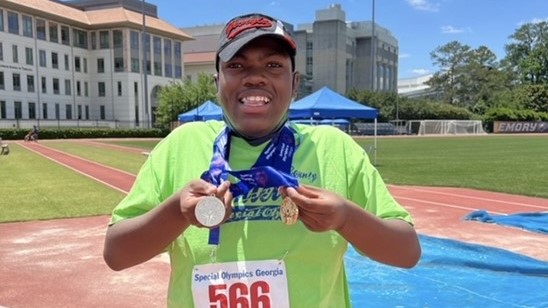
210	211
289	211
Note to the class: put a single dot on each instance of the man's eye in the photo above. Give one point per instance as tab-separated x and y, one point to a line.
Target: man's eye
233	65
272	64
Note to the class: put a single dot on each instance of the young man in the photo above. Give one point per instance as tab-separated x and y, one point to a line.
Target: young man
254	210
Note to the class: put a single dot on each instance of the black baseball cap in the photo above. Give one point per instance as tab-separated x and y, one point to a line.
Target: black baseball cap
243	29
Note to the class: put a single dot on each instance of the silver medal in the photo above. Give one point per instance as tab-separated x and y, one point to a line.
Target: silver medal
210	211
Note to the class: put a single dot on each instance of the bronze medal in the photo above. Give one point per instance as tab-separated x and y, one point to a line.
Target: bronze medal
210	211
289	211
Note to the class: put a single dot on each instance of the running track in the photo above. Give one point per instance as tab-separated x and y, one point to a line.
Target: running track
59	262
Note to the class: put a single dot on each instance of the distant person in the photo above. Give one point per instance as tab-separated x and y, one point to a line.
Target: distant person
237	237
32	135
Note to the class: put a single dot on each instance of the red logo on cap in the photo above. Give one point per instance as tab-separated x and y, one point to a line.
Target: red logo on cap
238	26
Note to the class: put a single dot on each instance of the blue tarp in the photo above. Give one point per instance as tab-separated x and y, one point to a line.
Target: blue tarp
327	104
450	274
531	221
206	111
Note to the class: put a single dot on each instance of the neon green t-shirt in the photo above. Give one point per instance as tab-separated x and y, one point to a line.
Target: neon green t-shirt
325	157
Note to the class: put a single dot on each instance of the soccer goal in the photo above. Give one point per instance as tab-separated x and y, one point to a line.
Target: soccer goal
446	127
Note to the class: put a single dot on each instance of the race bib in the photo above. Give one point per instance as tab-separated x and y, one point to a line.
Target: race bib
250	284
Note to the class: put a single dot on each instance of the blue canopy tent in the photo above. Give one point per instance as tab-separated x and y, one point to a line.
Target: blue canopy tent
206	111
327	104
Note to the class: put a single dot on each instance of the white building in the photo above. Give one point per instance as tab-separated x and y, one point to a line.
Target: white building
415	86
79	63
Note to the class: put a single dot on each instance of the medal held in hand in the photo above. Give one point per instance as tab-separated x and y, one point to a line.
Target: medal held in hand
210	211
289	211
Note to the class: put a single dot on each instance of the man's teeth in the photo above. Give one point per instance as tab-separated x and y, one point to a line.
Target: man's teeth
255	100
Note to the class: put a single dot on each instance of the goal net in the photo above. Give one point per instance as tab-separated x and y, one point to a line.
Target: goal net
446	127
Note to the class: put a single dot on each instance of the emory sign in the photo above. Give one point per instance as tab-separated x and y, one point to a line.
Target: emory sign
520	127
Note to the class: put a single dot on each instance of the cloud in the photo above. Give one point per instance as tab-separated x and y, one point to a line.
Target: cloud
539	20
420	71
423	5
533	21
452	30
404	55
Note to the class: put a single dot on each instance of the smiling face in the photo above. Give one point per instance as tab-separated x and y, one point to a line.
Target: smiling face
256	86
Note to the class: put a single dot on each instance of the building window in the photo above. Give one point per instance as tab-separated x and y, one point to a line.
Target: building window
44	85
77	64
27	26
157	48
118	46
80	38
13	23
67	87
2	108
18	110
93	40
147	54
29	59
67	65
1	51
54	60
41	29
56	86
2	83
102	112
100	65
42	55
65	35
15	53
53	32
87	112
177	60
30	83
68	112
16	82
44	110
168	67
134	52
86	92
78	88
104	40
85	65
57	111
1	20
79	112
32	110
119	84
101	88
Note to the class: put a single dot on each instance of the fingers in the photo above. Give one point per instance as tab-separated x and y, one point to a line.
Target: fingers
198	190
201	187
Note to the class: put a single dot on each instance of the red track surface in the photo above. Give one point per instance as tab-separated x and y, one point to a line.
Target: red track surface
58	263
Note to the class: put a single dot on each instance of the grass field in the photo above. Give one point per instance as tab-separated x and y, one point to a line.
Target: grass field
36	188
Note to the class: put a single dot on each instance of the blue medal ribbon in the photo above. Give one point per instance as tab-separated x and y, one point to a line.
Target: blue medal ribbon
272	169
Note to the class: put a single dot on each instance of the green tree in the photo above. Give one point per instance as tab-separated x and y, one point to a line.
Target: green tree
483	79
181	96
527	54
451	58
468	77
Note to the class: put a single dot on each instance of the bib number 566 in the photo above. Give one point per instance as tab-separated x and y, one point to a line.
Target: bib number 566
240	295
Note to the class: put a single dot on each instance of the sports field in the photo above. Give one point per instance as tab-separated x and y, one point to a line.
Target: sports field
42	189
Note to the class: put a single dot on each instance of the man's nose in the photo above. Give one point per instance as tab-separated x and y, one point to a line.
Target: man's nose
255	76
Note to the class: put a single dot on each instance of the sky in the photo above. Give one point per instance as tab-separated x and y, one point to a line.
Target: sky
420	26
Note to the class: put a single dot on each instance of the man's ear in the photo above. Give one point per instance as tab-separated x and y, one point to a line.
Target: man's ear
295	83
